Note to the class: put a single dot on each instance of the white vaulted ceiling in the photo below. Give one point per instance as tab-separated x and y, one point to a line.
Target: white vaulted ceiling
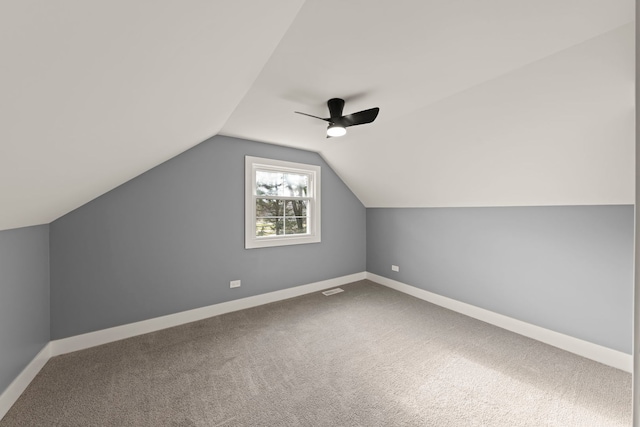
93	93
483	102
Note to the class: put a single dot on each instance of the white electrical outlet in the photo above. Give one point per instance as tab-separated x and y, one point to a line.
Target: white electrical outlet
395	268
234	284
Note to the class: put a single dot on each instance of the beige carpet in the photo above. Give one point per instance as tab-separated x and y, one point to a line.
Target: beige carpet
369	356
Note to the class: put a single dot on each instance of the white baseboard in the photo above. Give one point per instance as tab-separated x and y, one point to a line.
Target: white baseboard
92	339
18	385
607	356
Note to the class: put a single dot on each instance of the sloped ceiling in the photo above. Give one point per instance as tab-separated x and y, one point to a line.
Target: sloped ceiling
94	93
483	102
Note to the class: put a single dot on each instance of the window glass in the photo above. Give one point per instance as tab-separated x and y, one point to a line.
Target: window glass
282	203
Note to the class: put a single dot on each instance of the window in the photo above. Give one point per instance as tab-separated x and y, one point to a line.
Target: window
282	205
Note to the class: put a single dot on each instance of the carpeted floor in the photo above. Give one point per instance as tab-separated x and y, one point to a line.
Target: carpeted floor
369	356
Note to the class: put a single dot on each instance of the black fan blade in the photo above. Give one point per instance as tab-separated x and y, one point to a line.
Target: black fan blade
315	117
360	118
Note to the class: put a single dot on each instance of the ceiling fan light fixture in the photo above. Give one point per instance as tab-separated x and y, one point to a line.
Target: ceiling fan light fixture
338	123
335	130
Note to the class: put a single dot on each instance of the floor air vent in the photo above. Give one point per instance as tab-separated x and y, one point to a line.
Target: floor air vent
332	291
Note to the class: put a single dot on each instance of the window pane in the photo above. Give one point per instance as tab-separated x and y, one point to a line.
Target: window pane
296	225
296	208
269	183
282	203
269	227
269	207
296	185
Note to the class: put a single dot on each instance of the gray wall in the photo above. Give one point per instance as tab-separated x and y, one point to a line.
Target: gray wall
565	268
171	240
24	298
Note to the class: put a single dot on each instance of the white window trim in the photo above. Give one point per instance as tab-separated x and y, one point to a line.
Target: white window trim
313	226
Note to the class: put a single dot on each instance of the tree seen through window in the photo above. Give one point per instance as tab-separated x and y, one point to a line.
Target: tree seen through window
283	209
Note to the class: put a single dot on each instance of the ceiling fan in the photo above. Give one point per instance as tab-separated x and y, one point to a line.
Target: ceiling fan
338	123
